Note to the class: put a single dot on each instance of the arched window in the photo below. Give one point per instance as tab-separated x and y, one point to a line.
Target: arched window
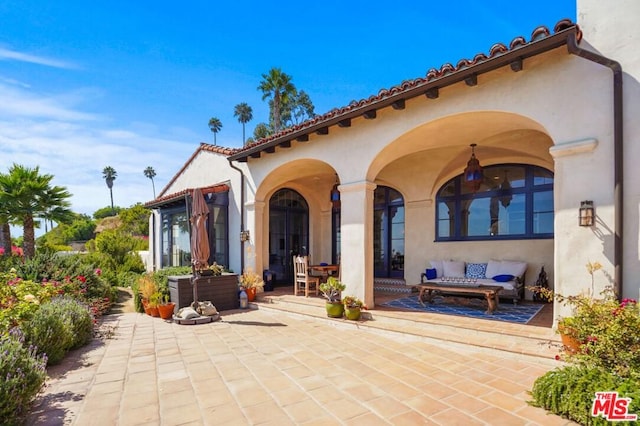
515	201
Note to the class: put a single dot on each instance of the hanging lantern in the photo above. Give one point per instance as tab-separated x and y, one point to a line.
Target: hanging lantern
473	172
505	191
335	195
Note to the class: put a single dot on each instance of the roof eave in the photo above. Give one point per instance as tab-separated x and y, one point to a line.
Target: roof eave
528	50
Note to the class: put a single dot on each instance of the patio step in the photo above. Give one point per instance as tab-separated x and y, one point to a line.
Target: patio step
540	344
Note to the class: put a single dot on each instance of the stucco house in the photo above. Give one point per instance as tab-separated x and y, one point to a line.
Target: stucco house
378	185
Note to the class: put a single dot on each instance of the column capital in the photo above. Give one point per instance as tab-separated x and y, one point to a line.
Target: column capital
362	185
573	147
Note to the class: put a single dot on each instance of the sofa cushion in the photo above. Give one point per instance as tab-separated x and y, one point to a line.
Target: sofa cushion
476	270
437	264
431	273
508	267
453	268
503	278
493	268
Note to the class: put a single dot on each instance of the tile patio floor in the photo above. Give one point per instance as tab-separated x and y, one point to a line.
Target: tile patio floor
267	366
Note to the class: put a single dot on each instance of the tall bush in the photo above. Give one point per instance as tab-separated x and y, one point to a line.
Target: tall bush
22	376
58	326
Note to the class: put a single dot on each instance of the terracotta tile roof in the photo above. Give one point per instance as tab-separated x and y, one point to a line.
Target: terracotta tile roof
411	88
166	199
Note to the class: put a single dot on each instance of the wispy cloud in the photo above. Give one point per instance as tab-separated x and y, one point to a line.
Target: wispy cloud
18	102
76	152
14	82
12	55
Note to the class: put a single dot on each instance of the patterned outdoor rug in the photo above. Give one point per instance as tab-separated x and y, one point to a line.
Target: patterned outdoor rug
473	308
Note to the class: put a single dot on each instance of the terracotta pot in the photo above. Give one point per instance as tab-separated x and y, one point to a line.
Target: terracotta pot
352	313
335	309
251	294
151	311
571	344
166	310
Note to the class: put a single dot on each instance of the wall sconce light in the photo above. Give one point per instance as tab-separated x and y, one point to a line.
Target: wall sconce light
587	215
245	236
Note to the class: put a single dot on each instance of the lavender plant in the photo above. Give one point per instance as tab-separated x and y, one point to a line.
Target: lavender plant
22	376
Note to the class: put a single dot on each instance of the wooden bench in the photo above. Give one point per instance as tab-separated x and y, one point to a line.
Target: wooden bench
489	292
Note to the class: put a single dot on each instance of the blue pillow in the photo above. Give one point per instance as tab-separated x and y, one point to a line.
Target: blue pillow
503	278
431	273
476	270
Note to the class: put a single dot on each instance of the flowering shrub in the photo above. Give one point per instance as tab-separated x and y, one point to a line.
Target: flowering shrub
58	326
608	357
22	375
607	329
20	299
15	251
609	332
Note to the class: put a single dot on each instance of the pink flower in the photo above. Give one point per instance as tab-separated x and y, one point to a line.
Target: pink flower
98	271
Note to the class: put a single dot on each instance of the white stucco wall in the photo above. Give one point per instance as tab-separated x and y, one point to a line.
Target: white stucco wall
611	29
554	104
206	169
514	117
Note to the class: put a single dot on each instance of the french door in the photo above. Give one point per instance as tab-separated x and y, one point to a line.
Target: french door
288	233
388	233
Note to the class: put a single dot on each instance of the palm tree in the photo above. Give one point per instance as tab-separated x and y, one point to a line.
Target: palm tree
150	173
277	86
215	125
109	175
56	208
244	113
26	194
261	131
5	229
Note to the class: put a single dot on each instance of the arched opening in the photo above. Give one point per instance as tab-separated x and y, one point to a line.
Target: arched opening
288	232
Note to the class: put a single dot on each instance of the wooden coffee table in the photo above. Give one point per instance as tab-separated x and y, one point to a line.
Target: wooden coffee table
490	292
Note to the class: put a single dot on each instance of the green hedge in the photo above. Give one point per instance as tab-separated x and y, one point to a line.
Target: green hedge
570	391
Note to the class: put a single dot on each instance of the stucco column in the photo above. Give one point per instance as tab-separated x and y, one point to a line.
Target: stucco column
574	245
255	224
356	227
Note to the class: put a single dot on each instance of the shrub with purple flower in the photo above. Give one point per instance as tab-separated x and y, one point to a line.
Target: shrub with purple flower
22	376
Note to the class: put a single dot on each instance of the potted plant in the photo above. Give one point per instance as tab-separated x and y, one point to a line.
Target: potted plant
166	308
154	303
250	282
332	291
352	307
148	290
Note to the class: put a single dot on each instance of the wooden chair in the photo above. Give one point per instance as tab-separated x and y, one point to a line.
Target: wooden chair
303	281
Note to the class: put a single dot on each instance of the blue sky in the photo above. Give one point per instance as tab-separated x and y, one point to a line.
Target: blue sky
131	84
